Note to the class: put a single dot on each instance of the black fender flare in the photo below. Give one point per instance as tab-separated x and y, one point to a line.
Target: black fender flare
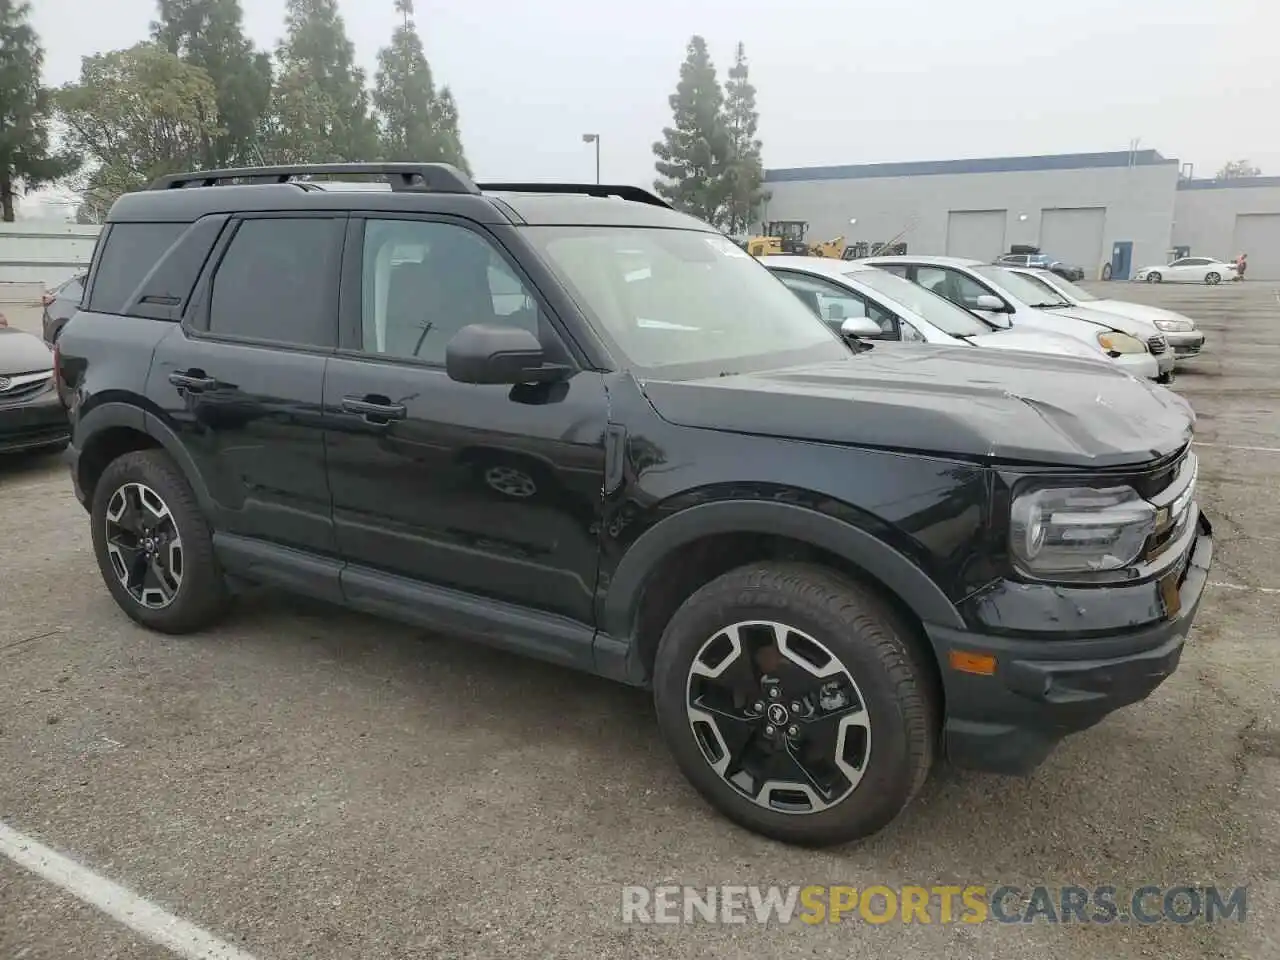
912	585
118	414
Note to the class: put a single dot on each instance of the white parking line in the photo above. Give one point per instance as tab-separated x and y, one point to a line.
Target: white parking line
142	916
1243	587
1235	446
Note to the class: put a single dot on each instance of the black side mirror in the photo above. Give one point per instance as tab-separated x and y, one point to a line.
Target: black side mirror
494	353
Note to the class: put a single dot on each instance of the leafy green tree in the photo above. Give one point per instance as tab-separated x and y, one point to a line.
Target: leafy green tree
26	158
694	152
136	114
746	172
320	108
210	34
1238	169
415	123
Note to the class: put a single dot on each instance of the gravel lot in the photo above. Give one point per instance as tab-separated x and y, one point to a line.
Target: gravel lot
315	784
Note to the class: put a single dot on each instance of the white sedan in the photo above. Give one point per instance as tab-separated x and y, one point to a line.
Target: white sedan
1189	270
838	290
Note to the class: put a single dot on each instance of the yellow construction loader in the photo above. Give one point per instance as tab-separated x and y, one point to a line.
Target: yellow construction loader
779	237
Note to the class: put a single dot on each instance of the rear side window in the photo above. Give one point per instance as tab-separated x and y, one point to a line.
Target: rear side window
129	253
278	282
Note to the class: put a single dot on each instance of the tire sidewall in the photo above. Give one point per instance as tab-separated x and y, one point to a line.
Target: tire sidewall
886	786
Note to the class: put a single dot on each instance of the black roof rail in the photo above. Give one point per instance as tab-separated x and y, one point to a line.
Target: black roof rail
622	191
434	177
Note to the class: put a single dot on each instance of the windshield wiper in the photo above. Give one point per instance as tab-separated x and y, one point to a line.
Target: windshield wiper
1050	306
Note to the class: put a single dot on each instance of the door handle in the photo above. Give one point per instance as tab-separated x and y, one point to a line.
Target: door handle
192	380
374	410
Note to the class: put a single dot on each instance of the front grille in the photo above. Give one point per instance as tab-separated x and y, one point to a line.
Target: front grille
1175	505
1157	345
20	386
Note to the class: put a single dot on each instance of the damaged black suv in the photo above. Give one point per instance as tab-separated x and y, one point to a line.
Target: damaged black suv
569	421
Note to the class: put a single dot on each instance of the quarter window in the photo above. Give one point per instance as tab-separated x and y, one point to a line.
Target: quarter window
129	252
278	282
424	281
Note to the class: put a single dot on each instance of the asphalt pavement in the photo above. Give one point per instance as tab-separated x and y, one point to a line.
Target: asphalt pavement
308	783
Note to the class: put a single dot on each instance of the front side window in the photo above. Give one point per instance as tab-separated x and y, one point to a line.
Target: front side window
1033	292
942	313
835	304
683	303
1078	294
952	285
424	281
278	282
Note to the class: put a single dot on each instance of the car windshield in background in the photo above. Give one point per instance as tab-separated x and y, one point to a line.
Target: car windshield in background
1034	293
682	303
1071	290
939	311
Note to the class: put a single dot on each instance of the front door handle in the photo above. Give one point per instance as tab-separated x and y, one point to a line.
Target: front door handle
374	409
192	380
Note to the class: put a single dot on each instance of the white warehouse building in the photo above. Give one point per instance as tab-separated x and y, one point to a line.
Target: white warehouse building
1125	209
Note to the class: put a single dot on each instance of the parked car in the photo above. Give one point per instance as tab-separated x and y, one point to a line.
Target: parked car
1189	270
1184	337
1003	298
60	304
1042	261
900	310
32	416
830	567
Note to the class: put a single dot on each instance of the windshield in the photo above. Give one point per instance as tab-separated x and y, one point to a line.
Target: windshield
1032	292
1079	294
682	303
939	311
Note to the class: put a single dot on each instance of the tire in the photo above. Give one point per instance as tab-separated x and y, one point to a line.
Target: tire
893	736
198	594
1213	278
1154	277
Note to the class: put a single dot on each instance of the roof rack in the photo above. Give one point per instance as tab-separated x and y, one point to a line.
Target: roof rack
432	177
622	191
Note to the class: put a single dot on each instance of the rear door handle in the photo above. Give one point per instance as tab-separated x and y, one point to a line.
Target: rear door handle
192	380
378	410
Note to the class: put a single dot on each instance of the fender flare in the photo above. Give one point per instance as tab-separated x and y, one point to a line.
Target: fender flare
622	601
117	414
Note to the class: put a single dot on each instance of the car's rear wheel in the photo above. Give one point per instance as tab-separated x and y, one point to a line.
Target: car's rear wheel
1154	277
1212	278
154	547
794	702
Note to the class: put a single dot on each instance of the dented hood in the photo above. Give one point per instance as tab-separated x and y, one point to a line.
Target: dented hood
991	405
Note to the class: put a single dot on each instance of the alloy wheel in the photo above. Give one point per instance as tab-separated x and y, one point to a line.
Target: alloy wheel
1212	279
510	482
778	717
144	545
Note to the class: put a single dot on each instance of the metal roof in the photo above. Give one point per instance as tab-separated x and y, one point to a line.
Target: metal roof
1061	161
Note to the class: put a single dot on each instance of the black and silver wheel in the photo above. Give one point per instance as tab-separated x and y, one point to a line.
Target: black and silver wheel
154	548
1154	277
510	481
1212	278
794	702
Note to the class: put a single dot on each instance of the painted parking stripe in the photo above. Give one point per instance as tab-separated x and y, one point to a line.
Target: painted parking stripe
1244	587
1236	446
142	916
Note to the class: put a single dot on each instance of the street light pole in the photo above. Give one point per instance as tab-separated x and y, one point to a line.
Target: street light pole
594	138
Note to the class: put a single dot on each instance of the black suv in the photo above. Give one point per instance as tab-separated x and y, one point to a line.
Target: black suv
572	422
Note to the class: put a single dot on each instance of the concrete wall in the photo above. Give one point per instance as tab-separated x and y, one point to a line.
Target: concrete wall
1207	219
36	254
1138	200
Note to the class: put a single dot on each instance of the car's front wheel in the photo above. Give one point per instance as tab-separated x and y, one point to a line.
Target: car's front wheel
1213	278
793	700
1154	277
154	547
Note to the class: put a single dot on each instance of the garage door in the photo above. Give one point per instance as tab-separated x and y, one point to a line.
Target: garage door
1258	235
978	234
1074	235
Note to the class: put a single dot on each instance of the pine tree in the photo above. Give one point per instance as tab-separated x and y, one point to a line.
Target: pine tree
320	109
26	158
693	154
415	122
746	172
209	34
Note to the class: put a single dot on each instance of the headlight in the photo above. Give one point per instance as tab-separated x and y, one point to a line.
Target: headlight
1079	529
1175	326
1117	343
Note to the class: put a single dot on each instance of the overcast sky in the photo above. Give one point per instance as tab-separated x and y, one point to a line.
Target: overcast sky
839	81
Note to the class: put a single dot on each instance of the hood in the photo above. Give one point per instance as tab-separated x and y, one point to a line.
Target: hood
1036	341
1139	311
987	405
1135	327
21	352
